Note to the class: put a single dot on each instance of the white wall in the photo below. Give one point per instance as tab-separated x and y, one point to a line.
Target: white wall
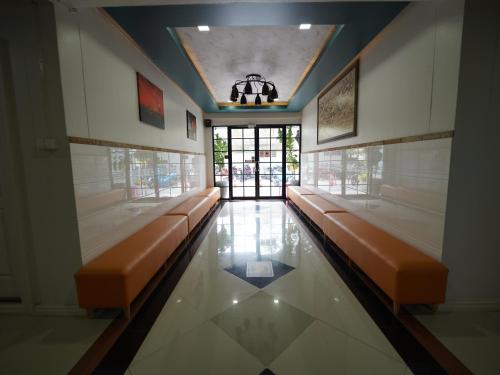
408	82
408	77
98	70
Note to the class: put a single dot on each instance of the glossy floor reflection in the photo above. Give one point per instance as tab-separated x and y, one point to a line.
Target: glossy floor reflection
306	320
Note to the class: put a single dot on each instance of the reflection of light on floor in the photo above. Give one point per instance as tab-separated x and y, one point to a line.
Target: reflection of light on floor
276	301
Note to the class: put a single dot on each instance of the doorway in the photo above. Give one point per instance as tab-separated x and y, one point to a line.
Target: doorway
9	246
256	162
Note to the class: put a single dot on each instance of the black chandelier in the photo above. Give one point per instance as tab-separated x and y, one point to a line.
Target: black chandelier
256	85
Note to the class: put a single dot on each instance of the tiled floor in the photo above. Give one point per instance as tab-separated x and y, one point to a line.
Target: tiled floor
45	345
474	337
304	321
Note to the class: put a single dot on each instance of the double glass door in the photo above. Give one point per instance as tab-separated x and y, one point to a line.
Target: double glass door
259	162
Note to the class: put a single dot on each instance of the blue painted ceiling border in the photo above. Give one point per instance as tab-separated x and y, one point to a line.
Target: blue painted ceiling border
361	22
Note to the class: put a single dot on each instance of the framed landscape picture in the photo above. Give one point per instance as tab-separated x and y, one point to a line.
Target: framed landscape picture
150	102
337	107
191	125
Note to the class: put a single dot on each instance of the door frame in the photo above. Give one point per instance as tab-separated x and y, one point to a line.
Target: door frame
257	159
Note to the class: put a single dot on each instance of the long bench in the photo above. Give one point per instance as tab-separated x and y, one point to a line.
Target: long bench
115	278
403	273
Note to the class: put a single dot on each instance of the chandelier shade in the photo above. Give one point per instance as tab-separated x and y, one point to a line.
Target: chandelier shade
254	84
234	93
274	93
248	88
258	101
265	89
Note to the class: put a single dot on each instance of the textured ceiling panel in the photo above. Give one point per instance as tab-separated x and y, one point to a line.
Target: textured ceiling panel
279	53
153	29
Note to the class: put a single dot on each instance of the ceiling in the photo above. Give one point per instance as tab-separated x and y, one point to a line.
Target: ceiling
115	3
281	54
264	36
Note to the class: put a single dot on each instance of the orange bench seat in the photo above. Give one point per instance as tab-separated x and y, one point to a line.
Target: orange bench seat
315	207
194	208
297	190
116	277
212	193
404	273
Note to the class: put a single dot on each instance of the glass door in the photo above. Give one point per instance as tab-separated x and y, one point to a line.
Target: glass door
270	162
242	158
258	162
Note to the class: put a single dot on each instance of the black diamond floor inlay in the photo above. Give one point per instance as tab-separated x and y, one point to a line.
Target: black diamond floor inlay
267	372
279	269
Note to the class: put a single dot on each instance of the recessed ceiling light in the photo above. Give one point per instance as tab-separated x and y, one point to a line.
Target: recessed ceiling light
305	26
203	28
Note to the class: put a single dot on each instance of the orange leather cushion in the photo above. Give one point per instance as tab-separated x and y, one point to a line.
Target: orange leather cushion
405	274
295	197
195	208
315	207
298	190
116	277
212	193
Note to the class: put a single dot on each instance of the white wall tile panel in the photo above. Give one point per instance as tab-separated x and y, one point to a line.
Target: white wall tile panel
119	190
400	188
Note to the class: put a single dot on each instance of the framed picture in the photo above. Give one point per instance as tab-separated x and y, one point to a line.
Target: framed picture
191	125
150	102
337	107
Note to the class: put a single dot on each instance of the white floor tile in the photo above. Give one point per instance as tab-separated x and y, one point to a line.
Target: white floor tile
204	350
48	345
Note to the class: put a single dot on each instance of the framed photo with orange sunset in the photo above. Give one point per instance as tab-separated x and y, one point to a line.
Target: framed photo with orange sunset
150	102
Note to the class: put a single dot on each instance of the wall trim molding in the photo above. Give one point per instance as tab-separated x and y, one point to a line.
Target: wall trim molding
101	142
411	138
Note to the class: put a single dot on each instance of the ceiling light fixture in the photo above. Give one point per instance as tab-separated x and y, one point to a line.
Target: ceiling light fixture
254	84
203	28
304	26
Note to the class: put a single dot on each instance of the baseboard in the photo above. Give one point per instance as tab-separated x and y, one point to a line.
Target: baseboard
67	310
470	305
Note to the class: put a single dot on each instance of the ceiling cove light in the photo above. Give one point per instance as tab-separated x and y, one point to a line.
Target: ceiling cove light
203	28
254	84
304	26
